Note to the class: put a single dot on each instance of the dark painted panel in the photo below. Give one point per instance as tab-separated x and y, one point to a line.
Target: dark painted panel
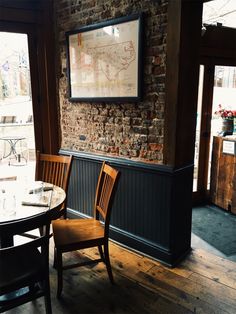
82	187
149	211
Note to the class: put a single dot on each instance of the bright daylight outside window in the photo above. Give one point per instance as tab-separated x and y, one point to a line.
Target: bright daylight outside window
221	12
17	145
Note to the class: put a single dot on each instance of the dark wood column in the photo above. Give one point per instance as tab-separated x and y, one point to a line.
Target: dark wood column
47	73
183	44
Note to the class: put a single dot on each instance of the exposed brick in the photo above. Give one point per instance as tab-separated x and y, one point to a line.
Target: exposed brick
155	147
129	130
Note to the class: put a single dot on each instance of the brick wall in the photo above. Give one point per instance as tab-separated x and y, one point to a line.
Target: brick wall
128	130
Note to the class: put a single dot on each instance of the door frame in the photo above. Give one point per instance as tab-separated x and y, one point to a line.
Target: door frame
34	74
36	21
202	194
218	47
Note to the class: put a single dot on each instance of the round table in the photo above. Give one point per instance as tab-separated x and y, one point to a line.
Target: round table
16	194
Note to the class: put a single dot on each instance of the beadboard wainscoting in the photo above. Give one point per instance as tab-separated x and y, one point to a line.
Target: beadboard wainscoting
152	208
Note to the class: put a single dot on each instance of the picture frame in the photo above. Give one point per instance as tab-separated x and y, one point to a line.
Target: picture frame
104	61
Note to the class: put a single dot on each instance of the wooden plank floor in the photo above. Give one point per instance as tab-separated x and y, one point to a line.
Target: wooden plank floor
202	283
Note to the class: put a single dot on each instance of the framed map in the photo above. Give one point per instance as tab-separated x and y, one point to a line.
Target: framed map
104	61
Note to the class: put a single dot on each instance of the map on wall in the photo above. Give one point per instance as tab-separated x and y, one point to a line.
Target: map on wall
104	61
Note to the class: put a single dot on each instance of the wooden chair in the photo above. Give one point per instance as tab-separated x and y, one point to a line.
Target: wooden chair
24	267
54	169
74	234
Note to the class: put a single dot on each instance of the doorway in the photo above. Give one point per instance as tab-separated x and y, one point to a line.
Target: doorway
213	228
217	90
17	138
216	86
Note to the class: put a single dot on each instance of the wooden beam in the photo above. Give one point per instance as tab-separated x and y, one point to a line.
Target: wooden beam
183	42
21	11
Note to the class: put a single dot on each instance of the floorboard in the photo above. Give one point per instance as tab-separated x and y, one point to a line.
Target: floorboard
202	283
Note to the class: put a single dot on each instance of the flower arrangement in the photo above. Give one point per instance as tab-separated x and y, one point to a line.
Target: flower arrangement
225	113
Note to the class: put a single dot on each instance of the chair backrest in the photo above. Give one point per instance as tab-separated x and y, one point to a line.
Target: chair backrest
17	227
106	187
54	169
15	273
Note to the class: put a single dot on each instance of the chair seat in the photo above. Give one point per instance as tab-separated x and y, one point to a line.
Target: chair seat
77	233
18	270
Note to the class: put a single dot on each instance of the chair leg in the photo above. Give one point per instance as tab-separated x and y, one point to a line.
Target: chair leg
101	253
41	231
65	214
47	298
32	288
59	273
55	259
108	264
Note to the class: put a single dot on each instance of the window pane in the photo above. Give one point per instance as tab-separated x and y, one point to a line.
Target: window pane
198	126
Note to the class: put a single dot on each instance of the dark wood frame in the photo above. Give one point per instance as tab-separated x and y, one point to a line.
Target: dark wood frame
217	47
35	20
182	71
137	97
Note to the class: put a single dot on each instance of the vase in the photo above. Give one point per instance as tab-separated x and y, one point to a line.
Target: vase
227	127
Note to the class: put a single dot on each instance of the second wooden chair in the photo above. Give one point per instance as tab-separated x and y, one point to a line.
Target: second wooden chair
74	234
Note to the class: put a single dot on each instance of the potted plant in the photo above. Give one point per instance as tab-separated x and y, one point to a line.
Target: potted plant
227	116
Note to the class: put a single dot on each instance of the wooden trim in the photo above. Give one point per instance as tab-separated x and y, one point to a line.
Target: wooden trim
18	27
172	70
20	4
218	43
124	162
21	11
205	130
218	47
47	76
